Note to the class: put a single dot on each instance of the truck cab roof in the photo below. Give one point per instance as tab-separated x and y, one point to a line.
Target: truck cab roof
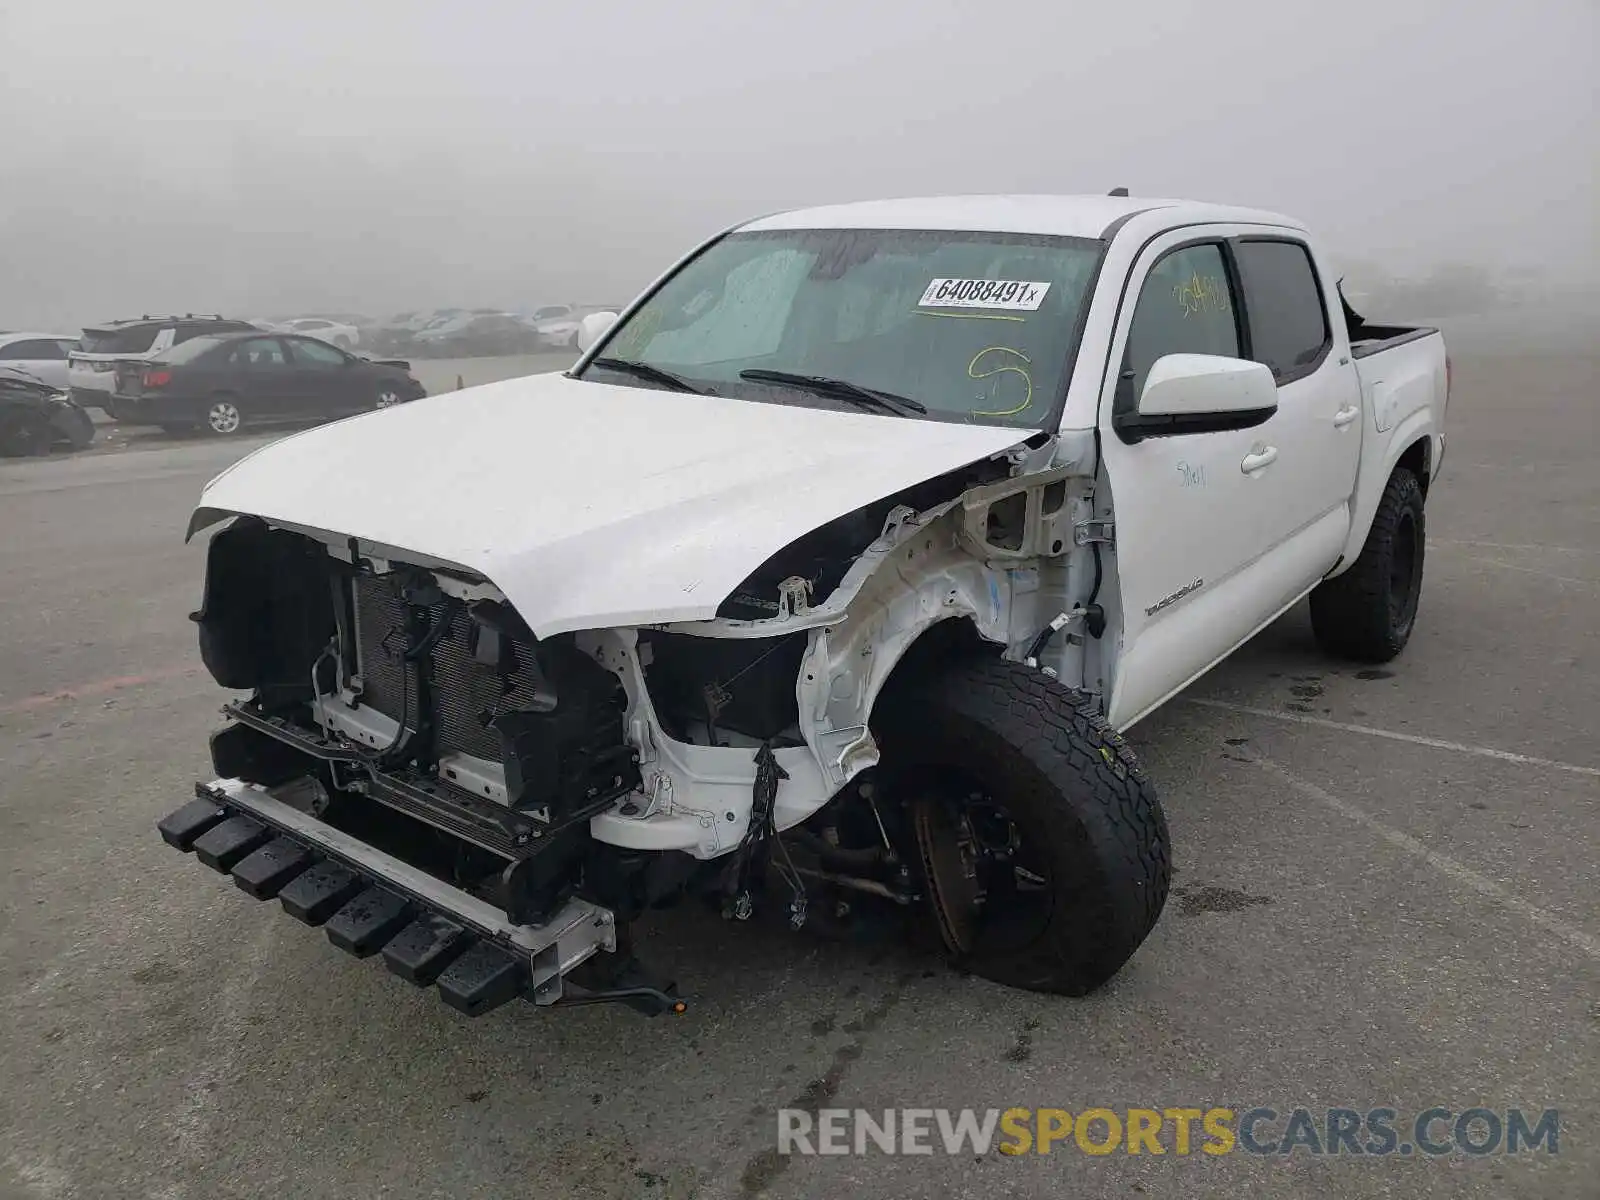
1062	216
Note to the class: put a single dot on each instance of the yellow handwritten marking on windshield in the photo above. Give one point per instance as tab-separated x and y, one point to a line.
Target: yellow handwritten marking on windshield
974	373
968	316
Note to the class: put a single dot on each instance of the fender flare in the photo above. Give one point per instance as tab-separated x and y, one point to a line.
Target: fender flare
1417	429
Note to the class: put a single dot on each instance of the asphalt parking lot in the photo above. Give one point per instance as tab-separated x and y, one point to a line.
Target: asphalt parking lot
1386	898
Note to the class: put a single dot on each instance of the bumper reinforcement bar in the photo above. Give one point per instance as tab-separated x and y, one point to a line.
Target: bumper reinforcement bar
369	903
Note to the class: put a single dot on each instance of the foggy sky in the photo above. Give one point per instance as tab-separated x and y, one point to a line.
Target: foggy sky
375	156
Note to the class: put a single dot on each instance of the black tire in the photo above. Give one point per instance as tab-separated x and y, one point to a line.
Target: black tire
1367	613
26	435
1074	794
77	426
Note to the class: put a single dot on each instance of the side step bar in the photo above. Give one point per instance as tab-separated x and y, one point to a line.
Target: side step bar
428	932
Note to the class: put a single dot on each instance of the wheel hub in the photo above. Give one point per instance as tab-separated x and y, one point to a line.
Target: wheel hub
223	417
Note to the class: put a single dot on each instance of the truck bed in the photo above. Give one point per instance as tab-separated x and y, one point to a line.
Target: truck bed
1367	339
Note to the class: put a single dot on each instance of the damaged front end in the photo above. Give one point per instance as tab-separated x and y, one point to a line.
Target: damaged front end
417	772
411	770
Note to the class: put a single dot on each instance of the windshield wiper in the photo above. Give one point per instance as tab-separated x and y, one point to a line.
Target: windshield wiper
843	389
644	370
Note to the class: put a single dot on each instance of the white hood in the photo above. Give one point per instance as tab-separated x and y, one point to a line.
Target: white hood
591	505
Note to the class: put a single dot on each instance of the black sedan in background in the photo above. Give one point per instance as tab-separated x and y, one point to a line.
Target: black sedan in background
221	383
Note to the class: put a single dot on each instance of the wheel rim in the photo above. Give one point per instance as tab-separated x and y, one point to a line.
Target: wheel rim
223	417
1405	573
388	398
987	889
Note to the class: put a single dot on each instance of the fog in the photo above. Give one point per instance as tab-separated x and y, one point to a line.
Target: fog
378	157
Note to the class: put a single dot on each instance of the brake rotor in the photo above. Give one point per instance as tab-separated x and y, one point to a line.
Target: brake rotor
943	842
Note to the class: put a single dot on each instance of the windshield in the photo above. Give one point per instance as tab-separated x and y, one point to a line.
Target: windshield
978	327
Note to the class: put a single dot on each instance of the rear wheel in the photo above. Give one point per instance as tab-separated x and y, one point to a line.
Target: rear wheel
1042	845
388	396
26	434
223	417
1367	613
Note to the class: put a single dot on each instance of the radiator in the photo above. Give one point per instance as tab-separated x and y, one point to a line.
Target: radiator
468	694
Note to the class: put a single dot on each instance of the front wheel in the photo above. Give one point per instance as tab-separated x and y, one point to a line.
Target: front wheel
1367	613
1043	849
223	417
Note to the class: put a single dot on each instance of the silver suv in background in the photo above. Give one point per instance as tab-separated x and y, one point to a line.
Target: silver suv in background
91	367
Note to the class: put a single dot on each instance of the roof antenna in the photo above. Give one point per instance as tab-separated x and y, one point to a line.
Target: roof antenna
1117	192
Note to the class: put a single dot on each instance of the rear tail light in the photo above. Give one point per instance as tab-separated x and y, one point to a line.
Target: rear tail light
1448	373
153	379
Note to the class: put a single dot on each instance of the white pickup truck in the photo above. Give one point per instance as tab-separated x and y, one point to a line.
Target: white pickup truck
821	586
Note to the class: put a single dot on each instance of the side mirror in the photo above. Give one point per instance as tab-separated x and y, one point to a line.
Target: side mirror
593	327
1200	393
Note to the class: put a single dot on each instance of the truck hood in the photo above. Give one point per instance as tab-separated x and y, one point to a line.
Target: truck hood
590	505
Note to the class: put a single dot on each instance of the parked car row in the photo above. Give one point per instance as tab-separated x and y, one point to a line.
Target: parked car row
220	374
477	332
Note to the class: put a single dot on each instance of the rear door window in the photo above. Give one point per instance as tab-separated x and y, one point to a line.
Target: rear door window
259	353
1288	321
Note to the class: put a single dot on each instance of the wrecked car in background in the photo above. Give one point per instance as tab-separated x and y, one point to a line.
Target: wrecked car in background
36	418
825	580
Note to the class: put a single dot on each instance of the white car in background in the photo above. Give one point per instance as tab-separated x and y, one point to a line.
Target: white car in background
337	332
556	325
42	355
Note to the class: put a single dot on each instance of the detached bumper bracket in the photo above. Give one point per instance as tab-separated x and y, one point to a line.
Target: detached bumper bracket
262	873
365	925
224	845
180	829
316	895
484	977
422	950
429	932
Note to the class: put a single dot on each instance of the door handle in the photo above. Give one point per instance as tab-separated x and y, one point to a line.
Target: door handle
1257	459
1345	415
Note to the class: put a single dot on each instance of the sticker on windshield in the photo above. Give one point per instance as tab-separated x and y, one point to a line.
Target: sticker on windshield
1017	294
